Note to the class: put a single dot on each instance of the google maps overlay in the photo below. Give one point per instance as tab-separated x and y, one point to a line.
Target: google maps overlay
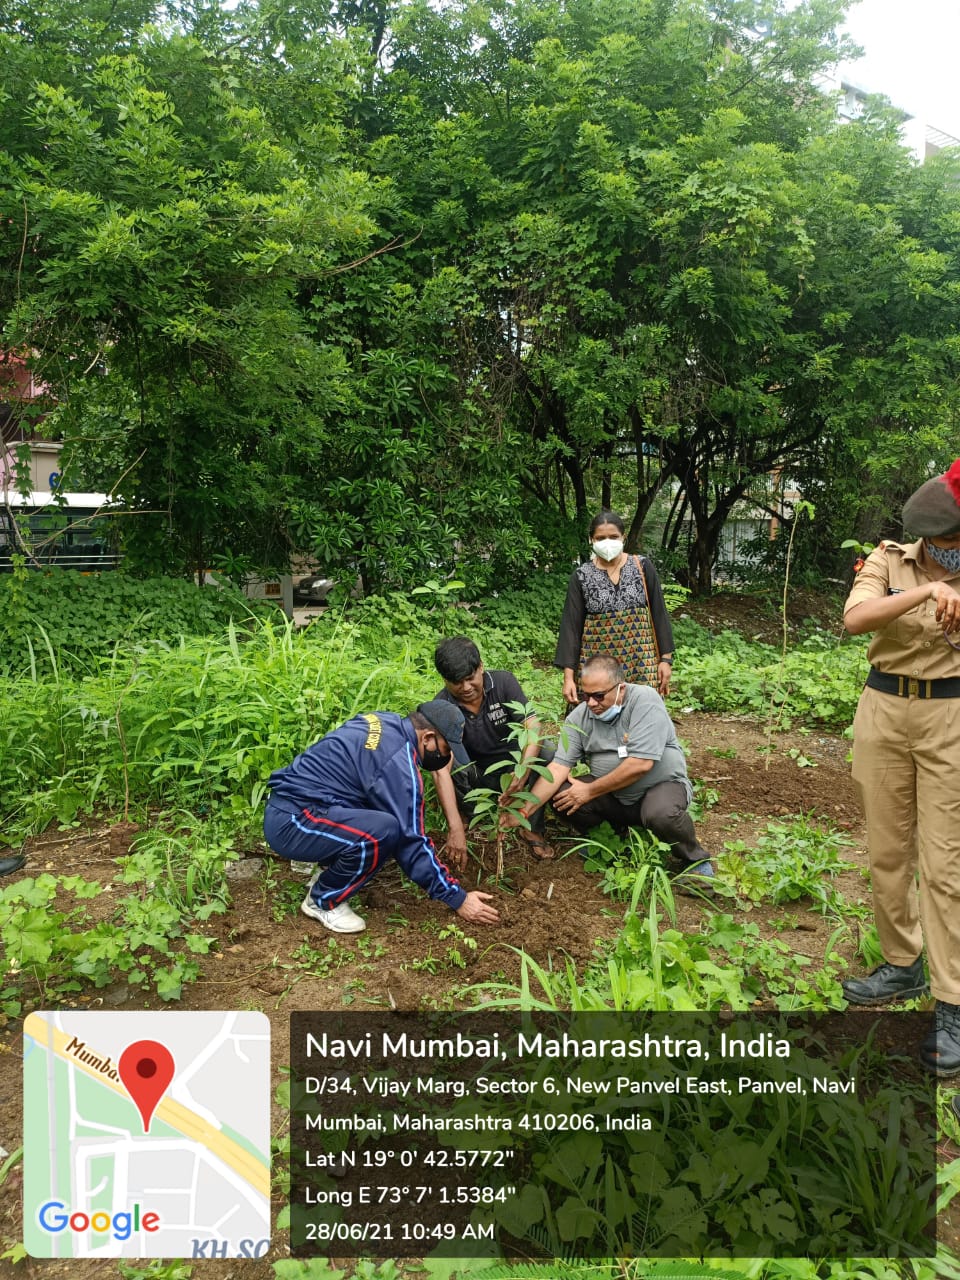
146	1135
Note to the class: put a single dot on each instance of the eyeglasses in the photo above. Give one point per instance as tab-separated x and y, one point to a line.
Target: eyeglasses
597	697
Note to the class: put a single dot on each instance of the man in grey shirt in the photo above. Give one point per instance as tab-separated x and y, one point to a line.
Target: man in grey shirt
638	774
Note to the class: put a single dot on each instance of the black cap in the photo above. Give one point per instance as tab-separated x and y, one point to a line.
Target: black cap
447	719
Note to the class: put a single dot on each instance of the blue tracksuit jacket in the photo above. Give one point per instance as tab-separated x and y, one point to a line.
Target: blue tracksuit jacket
371	762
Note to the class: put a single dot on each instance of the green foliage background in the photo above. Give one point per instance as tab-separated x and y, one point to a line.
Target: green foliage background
62	618
412	287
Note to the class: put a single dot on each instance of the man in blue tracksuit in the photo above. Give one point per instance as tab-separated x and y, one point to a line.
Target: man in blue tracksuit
354	800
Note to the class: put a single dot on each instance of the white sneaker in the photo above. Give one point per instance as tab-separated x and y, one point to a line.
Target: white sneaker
341	919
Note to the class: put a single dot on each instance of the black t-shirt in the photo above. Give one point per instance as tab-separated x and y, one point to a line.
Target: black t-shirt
486	735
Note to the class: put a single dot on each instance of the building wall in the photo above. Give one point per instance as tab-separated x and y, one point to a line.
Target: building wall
44	466
921	137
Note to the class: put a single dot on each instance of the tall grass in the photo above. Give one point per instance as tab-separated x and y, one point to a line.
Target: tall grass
204	721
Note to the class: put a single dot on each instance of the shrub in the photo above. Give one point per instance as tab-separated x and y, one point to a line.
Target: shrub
60	617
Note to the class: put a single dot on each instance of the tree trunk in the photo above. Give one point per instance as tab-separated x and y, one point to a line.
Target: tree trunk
575	472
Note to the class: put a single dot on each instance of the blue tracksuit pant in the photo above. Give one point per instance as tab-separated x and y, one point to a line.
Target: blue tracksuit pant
353	845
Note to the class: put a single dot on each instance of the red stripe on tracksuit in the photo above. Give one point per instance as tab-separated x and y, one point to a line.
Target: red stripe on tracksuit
354	831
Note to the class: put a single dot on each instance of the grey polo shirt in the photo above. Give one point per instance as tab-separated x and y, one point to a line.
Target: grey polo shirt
643	730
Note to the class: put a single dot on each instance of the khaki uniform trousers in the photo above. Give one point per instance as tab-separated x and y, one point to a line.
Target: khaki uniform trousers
906	765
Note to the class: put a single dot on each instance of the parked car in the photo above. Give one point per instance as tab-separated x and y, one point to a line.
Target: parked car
313	589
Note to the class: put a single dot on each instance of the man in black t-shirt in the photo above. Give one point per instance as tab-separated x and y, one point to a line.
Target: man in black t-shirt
484	697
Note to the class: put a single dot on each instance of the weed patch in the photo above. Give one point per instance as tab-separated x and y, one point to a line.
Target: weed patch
817	682
789	861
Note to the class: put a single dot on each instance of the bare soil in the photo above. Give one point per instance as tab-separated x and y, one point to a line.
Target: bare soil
270	957
759	615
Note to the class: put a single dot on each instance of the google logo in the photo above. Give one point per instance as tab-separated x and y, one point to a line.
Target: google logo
53	1218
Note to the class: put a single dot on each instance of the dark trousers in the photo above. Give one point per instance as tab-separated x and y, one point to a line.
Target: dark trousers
662	810
475	775
351	844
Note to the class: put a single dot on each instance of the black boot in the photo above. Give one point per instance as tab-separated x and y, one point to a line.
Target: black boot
887	982
940	1051
11	864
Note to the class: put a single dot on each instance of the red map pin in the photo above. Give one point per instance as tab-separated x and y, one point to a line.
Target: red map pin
146	1069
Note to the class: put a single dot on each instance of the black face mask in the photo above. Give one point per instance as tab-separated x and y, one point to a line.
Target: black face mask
434	760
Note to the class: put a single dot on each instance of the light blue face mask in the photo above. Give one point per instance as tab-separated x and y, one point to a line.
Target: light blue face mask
611	713
947	557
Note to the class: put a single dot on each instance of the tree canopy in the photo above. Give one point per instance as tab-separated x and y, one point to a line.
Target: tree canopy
413	288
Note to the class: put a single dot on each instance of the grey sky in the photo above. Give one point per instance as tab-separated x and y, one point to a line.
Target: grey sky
910	55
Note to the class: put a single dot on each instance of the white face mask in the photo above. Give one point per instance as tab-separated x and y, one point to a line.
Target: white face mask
608	548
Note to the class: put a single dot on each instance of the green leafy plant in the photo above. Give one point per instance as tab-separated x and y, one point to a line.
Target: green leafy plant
774	970
861	548
459	944
438	590
868	946
321	962
424	964
491	804
158	1270
789	861
182	860
629	866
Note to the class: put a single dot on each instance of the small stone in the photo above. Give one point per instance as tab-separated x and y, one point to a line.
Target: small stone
247	869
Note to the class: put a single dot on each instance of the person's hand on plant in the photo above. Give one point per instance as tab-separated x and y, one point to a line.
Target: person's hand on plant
476	908
509	791
455	848
573	797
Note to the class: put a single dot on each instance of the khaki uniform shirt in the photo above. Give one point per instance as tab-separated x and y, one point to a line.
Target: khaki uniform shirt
913	644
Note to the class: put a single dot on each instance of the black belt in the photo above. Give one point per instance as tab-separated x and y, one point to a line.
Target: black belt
910	687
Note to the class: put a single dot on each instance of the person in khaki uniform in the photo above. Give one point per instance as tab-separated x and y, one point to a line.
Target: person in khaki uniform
906	760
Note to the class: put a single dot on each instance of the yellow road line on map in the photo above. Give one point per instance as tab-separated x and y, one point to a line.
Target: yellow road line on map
173	1113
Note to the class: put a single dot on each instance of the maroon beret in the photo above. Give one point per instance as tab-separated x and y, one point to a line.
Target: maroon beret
934	510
